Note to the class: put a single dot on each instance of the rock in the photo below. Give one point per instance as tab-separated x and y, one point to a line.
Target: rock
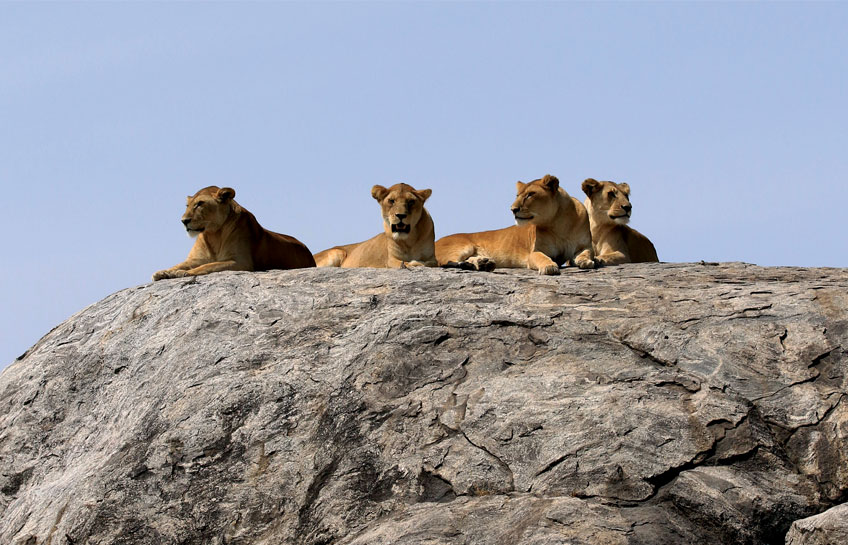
640	404
828	528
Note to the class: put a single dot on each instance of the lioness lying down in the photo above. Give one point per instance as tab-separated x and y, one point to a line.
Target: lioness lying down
608	204
407	238
551	228
228	238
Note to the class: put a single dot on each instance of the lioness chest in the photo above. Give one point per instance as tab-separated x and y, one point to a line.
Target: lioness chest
559	250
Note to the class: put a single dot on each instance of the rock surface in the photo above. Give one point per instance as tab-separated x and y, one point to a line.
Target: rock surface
828	528
640	404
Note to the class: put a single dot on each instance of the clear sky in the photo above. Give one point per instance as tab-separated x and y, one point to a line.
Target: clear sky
728	120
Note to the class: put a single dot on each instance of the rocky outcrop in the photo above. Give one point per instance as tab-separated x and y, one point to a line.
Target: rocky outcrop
651	403
828	528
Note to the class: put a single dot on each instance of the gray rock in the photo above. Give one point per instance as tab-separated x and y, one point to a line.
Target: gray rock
828	528
640	404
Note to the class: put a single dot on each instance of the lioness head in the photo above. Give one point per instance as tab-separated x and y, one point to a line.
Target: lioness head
536	203
401	206
608	201
208	209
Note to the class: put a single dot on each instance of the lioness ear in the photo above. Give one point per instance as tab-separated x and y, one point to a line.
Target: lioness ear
379	192
590	185
519	187
551	183
424	194
225	194
624	187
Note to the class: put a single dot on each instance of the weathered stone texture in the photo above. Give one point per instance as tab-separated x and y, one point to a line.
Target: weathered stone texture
640	404
828	528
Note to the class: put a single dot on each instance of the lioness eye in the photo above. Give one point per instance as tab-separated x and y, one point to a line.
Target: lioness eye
391	201
410	203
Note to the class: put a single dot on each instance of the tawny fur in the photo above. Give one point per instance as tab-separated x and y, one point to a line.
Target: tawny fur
407	239
552	229
230	239
614	242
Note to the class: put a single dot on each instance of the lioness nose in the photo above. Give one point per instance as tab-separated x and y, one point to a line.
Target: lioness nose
400	216
186	222
515	210
627	207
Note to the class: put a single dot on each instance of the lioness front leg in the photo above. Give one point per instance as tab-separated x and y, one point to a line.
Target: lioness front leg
177	271
218	266
168	273
394	263
542	263
585	259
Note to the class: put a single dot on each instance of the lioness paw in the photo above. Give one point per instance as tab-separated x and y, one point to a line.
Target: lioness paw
482	263
585	263
551	269
169	273
486	265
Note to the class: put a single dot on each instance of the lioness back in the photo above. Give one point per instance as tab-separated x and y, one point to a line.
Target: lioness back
641	249
552	228
279	251
368	253
615	242
228	238
407	239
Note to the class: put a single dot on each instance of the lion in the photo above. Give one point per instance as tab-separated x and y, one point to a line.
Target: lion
407	238
552	228
228	238
614	241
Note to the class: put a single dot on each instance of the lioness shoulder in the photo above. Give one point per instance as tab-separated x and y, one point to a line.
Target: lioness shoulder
228	238
552	229
407	239
608	204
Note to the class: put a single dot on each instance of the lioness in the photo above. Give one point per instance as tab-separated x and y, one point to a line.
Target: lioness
228	238
407	239
551	228
609	209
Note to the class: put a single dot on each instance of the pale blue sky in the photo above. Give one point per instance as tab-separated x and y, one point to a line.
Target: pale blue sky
728	120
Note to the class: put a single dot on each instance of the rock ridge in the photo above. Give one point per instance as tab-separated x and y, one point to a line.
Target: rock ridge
640	404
